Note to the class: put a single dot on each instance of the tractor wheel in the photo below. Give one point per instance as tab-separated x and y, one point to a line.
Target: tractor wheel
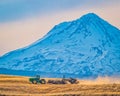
34	82
43	81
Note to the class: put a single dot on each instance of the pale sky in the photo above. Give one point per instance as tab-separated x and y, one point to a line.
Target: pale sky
22	22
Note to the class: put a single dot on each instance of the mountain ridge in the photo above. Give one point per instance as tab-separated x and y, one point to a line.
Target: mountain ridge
81	46
88	15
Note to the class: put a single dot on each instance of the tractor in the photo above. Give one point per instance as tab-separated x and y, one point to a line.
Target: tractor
37	80
70	80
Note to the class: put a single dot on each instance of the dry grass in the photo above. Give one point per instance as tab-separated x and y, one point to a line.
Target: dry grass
20	86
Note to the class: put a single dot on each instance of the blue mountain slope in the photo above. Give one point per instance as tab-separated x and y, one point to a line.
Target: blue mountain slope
87	47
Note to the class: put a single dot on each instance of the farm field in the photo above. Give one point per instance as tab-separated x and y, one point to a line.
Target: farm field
20	86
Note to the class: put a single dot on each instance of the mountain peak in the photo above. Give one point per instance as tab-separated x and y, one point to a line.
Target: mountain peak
90	14
89	17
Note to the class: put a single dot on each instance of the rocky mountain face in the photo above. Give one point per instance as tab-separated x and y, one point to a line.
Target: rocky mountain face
87	47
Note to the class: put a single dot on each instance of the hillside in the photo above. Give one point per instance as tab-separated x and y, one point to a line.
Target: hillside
86	47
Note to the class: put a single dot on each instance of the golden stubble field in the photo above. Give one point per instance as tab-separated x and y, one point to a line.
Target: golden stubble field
20	86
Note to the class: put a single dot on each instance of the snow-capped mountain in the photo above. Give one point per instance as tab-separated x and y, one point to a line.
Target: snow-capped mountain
87	47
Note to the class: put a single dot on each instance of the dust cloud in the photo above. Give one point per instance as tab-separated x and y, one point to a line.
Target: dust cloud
102	80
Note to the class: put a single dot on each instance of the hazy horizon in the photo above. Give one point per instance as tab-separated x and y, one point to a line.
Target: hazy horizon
22	22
